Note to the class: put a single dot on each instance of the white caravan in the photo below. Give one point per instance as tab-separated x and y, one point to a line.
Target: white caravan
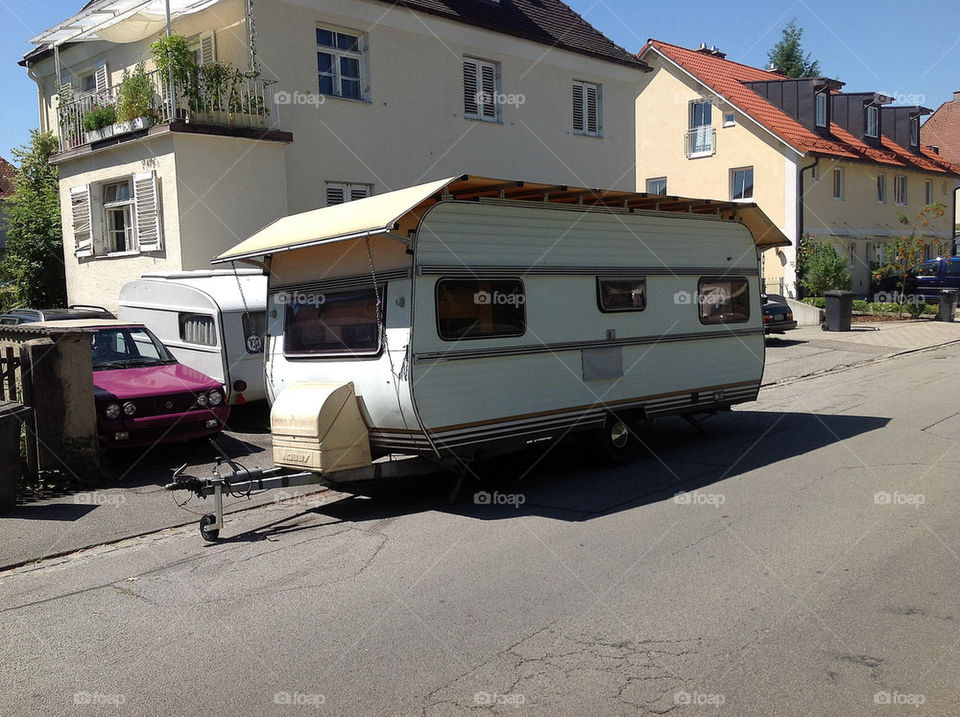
473	315
211	320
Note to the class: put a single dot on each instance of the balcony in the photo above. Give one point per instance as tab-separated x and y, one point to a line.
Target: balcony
700	142
227	101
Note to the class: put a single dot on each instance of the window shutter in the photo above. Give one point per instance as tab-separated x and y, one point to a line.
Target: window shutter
593	114
488	77
335	194
146	202
102	78
80	211
208	48
358	191
470	106
577	107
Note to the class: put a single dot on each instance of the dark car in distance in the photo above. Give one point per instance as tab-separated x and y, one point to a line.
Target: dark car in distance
932	276
777	315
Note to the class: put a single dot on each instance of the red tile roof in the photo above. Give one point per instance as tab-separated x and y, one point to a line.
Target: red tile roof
942	129
726	79
7	173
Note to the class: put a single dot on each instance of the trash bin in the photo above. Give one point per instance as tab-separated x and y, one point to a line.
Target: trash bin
12	417
948	302
839	310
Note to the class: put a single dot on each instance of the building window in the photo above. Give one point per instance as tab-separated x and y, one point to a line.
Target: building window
915	132
838	183
872	121
928	186
480	308
340	192
621	294
821	101
204	48
481	88
339	64
118	216
586	109
741	183
882	188
343	322
118	213
815	173
900	189
729	119
723	301
197	329
657	185
700	135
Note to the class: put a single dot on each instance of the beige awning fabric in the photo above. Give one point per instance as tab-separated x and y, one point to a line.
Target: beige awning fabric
381	213
118	21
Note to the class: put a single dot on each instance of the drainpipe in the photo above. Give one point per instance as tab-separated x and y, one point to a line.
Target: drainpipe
41	107
816	161
173	88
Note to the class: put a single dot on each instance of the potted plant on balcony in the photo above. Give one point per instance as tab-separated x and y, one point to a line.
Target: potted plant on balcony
98	121
175	59
135	102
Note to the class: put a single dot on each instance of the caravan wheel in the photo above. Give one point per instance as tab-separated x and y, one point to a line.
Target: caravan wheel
616	445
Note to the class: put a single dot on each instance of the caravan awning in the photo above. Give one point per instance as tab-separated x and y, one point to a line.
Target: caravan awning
118	21
381	213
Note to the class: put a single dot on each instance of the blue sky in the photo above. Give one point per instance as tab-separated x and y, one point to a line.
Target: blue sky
902	48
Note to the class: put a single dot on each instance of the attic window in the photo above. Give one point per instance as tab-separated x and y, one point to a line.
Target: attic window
821	109
729	119
871	121
915	132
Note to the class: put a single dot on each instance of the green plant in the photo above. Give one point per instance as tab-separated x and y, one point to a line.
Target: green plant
825	270
135	97
173	55
860	305
909	249
98	117
817	301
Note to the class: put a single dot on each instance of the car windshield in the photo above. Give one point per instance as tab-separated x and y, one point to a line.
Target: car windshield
127	347
928	268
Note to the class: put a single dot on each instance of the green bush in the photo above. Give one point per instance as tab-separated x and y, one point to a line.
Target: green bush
135	98
825	270
98	117
817	301
860	305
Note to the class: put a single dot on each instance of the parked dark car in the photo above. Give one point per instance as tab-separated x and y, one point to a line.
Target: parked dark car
76	311
777	315
933	275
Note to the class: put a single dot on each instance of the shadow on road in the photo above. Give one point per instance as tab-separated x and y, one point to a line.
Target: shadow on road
565	483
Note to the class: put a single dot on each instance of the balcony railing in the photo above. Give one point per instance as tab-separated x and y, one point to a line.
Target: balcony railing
700	142
229	100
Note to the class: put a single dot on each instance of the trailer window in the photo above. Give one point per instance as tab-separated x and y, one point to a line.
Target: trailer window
621	294
197	329
480	308
254	327
342	322
723	301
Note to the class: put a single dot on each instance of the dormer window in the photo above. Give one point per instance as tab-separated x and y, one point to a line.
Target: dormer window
821	109
872	121
914	132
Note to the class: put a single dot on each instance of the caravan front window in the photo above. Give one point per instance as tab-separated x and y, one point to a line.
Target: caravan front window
341	322
480	308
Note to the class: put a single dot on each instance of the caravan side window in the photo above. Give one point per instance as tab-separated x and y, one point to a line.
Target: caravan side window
621	294
723	301
480	308
197	329
337	322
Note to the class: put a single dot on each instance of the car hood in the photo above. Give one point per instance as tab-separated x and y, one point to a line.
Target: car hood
141	381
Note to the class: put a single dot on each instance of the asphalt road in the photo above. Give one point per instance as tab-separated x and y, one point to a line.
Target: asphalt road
810	566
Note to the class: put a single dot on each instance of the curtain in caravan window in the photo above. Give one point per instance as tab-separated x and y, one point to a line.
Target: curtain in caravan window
198	329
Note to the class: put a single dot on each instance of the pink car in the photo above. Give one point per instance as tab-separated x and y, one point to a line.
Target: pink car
143	394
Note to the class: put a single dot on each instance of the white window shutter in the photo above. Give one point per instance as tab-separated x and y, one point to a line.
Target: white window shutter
592	119
146	201
80	212
208	48
102	77
488	78
359	191
577	107
470	106
336	194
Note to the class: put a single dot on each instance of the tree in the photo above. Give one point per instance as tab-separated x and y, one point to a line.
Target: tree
788	55
825	269
34	259
909	252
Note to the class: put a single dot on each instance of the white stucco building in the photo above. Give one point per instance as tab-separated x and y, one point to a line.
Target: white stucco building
339	99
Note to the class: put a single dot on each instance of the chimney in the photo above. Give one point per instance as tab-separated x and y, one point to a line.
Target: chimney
956	95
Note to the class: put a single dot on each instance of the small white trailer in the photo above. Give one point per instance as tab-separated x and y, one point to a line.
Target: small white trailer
211	320
468	316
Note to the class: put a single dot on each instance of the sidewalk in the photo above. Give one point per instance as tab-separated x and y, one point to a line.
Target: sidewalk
138	504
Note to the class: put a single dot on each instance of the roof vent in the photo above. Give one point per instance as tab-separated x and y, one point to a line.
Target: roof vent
773	67
934	148
711	50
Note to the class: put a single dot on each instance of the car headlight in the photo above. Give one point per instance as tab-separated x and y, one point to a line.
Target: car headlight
129	408
201	399
216	398
112	411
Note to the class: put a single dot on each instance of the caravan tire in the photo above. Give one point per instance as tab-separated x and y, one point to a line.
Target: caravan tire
615	442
